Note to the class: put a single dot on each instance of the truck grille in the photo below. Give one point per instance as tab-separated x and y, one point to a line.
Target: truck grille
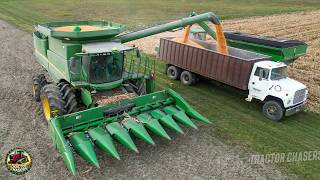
299	96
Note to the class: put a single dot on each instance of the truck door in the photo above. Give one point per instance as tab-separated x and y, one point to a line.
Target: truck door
259	83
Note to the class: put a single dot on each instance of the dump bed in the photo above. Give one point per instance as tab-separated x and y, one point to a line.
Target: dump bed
233	69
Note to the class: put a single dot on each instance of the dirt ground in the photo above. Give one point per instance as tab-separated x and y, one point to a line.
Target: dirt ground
195	155
303	26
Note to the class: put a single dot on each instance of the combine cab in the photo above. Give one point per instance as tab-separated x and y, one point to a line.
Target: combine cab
101	90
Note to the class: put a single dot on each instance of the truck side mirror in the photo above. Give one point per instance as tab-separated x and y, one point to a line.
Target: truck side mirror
263	74
260	74
138	53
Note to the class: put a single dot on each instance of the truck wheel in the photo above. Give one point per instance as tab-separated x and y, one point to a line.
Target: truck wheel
37	83
273	110
187	78
173	72
69	97
52	102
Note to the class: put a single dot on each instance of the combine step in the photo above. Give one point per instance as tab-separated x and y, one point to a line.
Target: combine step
101	126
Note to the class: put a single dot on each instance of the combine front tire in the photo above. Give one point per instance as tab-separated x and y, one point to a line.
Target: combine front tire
69	97
52	102
37	83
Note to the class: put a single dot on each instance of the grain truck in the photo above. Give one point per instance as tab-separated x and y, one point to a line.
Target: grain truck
263	79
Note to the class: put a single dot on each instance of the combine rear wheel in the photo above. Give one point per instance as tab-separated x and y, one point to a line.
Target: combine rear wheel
37	83
69	97
52	102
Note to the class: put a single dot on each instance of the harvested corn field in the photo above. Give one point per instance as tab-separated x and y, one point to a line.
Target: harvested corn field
176	159
303	26
210	153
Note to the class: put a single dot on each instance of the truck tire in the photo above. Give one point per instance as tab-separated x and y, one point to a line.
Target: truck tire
187	78
273	110
173	72
52	102
37	83
136	86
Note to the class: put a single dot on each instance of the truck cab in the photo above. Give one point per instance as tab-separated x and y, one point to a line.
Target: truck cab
281	95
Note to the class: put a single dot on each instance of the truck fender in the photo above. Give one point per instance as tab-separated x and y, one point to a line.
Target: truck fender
269	97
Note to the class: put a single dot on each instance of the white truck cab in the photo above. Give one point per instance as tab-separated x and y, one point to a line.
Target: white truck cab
281	95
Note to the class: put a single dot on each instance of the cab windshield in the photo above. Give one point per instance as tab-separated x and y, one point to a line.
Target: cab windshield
278	73
104	68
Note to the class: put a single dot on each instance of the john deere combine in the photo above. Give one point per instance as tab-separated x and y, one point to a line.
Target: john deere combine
103	90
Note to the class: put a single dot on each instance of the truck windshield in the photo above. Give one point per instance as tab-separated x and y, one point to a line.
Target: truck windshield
278	73
104	68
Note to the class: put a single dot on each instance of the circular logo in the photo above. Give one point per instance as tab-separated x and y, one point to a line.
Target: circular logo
18	161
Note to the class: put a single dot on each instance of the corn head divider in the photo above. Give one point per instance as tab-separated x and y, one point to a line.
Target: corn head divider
101	125
102	90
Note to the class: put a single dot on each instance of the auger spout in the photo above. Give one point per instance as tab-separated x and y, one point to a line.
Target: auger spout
193	19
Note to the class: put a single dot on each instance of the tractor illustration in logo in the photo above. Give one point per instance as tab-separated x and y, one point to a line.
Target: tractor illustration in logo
18	161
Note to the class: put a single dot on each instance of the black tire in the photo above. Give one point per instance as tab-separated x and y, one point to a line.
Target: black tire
273	110
187	78
52	102
173	72
136	86
37	83
69	97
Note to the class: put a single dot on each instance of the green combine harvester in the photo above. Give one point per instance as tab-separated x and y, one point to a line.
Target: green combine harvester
280	49
102	90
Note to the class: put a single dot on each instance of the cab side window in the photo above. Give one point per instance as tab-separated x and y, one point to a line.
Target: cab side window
264	72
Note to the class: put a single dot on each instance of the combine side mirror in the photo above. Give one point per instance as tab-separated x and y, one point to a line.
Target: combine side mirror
138	53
